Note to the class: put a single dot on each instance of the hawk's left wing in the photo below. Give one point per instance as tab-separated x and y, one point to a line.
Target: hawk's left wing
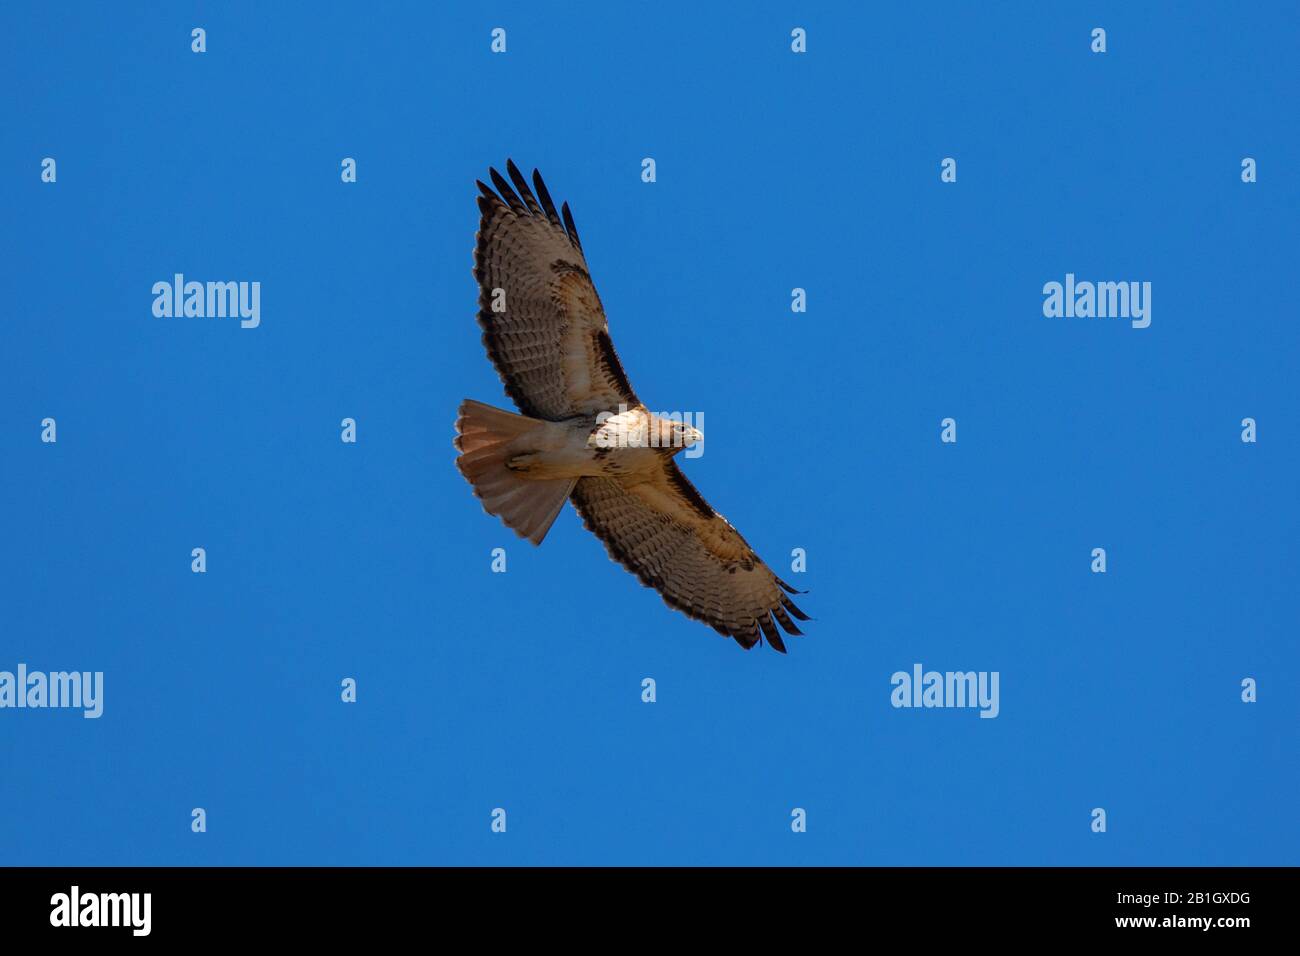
665	533
543	325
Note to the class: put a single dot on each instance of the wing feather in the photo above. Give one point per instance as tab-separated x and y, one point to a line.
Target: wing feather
521	186
507	193
543	324
547	203
570	227
699	564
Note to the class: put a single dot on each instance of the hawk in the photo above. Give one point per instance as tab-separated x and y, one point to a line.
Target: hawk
583	436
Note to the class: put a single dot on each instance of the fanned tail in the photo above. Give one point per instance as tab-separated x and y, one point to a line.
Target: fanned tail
483	436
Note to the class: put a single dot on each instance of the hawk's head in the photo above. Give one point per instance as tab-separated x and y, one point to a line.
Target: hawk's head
672	436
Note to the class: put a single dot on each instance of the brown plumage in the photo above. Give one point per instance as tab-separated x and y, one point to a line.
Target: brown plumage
550	344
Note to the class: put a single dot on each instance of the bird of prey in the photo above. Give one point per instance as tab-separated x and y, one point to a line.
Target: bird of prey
584	436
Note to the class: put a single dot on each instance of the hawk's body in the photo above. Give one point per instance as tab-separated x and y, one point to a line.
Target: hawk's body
584	436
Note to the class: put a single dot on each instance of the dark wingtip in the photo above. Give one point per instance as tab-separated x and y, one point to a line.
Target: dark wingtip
569	227
784	620
771	633
548	205
521	187
507	193
793	608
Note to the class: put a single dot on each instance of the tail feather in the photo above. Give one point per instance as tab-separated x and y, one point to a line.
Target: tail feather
483	436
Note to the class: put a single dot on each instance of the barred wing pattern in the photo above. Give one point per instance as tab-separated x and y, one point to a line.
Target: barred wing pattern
550	342
667	535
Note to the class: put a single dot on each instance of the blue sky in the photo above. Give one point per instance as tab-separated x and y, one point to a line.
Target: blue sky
523	690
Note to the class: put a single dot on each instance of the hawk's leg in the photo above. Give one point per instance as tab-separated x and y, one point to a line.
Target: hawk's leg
524	463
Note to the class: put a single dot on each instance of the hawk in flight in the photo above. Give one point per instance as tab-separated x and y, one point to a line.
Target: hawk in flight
584	436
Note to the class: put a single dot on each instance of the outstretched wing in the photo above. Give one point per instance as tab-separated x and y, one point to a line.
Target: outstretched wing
665	533
543	325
